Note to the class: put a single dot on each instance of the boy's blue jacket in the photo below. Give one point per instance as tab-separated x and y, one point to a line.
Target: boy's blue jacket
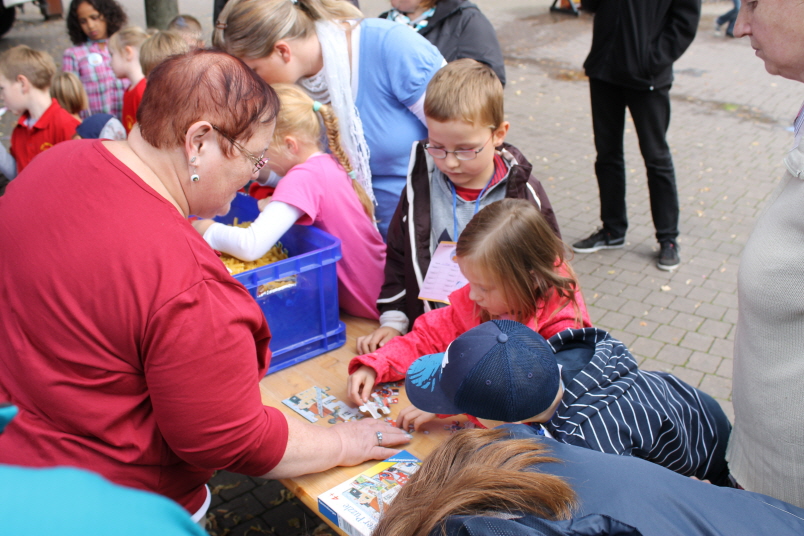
609	405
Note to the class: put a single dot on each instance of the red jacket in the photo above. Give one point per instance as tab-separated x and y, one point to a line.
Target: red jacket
435	330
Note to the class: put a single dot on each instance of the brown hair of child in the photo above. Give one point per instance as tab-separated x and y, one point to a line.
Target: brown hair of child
35	65
465	90
298	117
251	28
69	92
477	472
159	47
511	243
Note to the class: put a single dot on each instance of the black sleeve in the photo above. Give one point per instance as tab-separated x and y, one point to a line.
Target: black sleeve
394	284
677	34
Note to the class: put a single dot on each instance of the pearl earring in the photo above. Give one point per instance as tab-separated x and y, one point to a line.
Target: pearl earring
194	177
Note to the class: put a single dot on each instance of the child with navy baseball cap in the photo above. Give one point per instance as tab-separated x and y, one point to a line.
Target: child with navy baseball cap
581	387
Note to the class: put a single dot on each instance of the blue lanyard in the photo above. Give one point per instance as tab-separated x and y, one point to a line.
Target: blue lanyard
455	204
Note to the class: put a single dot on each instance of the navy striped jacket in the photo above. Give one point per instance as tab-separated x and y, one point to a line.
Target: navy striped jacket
611	406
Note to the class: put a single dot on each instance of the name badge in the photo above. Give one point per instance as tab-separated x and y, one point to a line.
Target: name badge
443	276
95	59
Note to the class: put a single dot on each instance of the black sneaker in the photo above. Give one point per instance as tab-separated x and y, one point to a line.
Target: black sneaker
668	256
600	239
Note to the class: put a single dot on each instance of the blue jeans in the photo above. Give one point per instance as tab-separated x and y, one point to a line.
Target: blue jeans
729	17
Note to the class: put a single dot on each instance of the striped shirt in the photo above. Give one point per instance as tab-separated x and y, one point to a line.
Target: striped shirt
611	406
92	63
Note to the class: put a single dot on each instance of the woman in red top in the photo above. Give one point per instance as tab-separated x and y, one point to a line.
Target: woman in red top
128	348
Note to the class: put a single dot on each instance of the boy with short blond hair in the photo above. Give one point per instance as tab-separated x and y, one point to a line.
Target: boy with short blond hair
463	166
25	78
159	47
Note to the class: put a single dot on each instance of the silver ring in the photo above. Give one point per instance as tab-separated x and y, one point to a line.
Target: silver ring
379	439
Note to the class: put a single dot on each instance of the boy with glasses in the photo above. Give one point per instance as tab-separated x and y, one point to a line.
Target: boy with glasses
461	167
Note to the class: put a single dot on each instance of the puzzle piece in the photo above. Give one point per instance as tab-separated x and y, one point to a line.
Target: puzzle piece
375	410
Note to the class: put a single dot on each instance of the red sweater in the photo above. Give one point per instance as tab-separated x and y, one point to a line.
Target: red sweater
131	102
55	125
434	331
128	348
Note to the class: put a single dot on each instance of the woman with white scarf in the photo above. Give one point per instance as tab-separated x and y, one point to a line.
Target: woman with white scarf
372	72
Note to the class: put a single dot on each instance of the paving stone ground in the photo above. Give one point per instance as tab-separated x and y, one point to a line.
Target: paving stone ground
729	132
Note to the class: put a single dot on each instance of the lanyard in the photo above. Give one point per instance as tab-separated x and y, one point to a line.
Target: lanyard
455	205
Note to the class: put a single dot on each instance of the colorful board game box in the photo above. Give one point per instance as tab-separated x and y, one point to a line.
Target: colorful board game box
355	506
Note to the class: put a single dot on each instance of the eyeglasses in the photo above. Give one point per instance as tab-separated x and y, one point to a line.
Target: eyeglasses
259	161
462	154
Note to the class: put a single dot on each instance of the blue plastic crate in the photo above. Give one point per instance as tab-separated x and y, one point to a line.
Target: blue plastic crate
303	314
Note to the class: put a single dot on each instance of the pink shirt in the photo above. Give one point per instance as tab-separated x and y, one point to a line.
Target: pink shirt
323	191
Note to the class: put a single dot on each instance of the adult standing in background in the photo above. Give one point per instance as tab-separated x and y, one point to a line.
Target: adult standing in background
766	450
456	27
630	64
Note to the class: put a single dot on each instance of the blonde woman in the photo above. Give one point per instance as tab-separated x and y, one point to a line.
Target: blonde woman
372	72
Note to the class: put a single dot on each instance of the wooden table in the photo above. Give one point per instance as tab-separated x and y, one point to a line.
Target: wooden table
330	370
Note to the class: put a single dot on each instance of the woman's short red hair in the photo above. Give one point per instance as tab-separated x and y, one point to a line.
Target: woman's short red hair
204	85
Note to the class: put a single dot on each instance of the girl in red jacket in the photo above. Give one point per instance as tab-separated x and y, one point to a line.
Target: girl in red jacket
516	270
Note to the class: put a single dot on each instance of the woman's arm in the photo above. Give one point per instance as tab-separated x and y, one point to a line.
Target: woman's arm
312	449
252	242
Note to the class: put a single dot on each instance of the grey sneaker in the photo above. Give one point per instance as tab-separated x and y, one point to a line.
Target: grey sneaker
600	239
668	256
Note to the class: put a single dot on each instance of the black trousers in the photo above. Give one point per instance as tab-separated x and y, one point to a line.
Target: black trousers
650	110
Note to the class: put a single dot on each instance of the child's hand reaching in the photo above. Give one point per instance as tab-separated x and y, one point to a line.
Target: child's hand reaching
360	384
412	415
376	339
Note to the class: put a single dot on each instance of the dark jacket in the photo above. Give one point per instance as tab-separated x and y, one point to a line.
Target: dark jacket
635	42
612	406
459	30
403	261
625	496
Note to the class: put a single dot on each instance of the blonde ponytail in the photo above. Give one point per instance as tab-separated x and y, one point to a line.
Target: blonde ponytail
334	138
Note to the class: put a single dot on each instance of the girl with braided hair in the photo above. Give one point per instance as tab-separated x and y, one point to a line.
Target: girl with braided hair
317	189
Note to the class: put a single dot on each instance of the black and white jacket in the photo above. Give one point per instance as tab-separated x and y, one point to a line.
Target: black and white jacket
611	406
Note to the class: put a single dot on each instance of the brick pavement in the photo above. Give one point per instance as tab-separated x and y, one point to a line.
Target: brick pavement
728	135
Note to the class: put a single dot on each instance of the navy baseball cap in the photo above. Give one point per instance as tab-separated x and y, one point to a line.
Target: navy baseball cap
500	370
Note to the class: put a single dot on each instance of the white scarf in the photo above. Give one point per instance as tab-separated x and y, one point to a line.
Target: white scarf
336	84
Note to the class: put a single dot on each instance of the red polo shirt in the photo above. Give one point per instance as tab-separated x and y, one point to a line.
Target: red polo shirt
131	101
55	125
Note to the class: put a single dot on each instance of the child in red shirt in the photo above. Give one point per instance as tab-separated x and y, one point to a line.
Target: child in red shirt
25	77
516	268
124	47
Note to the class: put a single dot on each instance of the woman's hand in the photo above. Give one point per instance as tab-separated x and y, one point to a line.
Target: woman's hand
202	225
413	416
360	440
360	384
376	339
311	448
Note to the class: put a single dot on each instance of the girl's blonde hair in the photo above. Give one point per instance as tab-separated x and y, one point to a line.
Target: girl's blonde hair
251	28
298	117
477	472
511	243
160	46
130	36
69	92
